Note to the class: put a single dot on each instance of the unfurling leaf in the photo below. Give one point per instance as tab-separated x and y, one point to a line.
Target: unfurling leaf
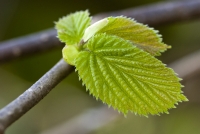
126	77
115	59
71	28
94	28
70	54
142	36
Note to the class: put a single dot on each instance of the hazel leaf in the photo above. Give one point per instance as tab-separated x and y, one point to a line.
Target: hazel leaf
72	27
140	35
126	77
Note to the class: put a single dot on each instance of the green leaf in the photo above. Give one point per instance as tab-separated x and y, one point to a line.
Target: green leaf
71	28
127	78
141	35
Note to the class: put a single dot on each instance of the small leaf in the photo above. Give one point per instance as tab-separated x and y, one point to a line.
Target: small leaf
71	28
141	35
126	77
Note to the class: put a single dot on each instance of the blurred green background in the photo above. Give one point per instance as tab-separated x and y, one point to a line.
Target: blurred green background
69	98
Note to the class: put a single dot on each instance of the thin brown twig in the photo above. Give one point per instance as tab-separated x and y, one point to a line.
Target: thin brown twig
187	66
33	95
161	13
95	118
28	45
155	14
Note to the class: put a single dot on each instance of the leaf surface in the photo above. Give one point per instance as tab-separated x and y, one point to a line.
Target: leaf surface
127	78
141	35
71	28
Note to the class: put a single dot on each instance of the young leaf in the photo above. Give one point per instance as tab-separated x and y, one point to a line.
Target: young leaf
142	36
127	78
94	28
71	28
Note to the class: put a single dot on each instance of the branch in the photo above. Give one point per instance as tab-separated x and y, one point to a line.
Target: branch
27	45
33	95
155	14
161	13
86	122
187	66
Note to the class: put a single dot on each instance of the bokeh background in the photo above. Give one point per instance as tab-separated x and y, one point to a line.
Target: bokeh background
69	98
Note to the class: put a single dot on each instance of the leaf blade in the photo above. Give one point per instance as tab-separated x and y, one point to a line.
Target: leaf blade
141	35
71	27
126	77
